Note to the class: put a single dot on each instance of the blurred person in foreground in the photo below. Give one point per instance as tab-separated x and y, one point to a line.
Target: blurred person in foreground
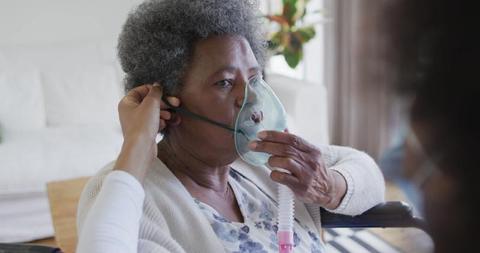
435	50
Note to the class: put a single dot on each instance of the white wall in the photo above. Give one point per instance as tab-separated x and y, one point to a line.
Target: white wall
34	22
60	22
27	22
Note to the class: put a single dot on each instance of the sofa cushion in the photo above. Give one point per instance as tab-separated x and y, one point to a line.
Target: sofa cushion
82	95
81	81
30	159
21	99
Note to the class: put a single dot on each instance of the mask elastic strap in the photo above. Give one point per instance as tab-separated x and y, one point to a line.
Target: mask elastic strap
186	112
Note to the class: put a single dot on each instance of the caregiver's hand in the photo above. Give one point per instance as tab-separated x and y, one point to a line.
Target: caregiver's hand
143	115
310	180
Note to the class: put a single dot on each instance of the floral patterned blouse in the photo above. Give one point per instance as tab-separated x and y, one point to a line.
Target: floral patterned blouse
258	232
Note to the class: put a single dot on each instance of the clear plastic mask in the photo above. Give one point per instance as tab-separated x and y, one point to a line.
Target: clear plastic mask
261	110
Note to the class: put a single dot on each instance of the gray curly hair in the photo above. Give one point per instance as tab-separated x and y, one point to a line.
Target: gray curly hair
157	41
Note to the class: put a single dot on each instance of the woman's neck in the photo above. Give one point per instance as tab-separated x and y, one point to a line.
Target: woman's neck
194	172
204	181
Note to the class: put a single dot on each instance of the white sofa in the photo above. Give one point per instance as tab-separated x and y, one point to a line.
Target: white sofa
59	120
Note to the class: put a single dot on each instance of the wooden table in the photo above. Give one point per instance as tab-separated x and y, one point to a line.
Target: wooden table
63	197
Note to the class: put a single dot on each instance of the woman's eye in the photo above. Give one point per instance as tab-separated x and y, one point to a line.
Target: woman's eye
224	83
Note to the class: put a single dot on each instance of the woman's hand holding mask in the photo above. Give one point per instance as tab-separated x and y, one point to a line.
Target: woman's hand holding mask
143	115
310	180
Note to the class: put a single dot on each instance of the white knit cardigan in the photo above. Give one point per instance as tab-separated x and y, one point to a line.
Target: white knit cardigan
172	223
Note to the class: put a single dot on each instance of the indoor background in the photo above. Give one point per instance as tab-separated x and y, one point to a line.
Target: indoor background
60	83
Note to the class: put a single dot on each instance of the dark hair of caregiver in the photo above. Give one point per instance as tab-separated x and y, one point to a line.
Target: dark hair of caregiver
436	53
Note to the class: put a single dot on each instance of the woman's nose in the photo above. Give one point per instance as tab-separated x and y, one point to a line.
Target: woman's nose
245	90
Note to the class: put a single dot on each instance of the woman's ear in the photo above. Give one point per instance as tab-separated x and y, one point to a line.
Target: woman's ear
175	120
174	102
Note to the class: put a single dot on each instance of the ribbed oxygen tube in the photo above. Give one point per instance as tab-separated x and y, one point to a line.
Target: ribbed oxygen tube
286	211
286	208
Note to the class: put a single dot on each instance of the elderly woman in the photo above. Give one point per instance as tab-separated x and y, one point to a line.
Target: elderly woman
190	192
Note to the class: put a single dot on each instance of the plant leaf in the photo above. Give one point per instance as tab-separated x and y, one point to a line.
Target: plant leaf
290	38
300	6
293	10
293	57
278	19
295	41
288	12
275	41
306	33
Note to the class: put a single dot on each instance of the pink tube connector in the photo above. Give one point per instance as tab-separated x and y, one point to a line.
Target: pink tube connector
285	241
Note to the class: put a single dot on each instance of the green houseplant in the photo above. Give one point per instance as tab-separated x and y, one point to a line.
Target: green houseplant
288	40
